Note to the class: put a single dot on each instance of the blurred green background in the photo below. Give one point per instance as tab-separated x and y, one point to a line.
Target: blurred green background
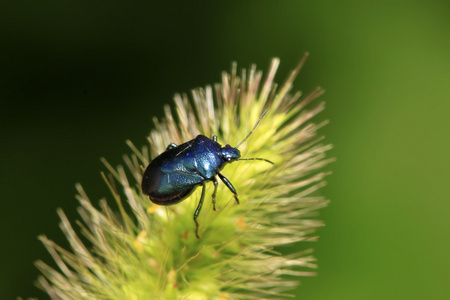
78	78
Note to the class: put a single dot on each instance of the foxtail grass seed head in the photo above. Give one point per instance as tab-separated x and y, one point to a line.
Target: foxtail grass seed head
145	251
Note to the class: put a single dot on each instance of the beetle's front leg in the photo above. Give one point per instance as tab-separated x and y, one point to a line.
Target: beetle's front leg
214	180
197	210
171	146
229	186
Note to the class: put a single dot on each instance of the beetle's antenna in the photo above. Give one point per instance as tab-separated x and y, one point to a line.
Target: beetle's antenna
266	160
250	133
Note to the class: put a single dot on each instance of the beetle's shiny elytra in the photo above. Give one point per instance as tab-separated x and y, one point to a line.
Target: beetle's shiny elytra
173	175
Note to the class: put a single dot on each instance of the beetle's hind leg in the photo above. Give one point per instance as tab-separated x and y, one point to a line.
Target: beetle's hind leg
197	210
171	146
229	186
214	180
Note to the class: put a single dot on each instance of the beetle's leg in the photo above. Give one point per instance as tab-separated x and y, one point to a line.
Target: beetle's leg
171	146
214	138
230	186
214	180
197	210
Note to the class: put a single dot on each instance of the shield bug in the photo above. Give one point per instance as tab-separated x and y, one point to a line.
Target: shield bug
174	174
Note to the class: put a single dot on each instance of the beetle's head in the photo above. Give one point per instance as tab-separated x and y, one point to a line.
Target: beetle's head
230	154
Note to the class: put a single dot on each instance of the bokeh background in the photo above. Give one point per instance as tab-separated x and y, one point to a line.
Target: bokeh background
78	78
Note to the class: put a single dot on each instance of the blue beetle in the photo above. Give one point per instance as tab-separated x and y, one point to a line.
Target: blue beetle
174	174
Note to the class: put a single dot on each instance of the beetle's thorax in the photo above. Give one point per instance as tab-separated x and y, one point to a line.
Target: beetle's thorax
230	154
210	157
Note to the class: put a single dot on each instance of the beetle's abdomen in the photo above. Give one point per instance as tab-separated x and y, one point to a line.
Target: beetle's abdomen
169	188
171	178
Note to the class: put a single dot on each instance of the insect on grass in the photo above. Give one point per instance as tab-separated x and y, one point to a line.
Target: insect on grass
175	174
